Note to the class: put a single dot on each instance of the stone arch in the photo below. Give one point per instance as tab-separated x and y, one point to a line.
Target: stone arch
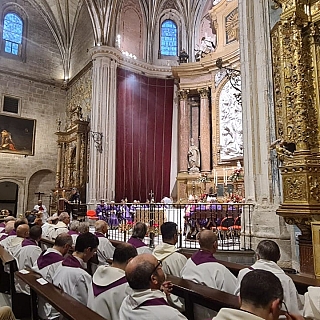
20	194
41	181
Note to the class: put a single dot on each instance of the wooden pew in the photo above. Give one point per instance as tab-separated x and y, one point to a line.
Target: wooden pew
197	293
4	276
65	304
19	301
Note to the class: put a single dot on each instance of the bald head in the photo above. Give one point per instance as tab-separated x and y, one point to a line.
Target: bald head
101	226
23	231
139	271
208	240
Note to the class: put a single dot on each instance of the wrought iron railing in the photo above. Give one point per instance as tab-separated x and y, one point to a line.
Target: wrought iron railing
230	221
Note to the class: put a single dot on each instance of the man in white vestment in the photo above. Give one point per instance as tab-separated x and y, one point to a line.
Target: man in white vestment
74	230
13	233
9	227
14	243
71	276
204	268
268	253
166	252
145	277
109	284
139	231
261	298
61	227
30	251
105	249
41	208
46	265
27	255
48	224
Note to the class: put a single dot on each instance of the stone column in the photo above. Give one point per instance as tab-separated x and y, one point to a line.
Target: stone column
261	185
184	131
205	150
103	121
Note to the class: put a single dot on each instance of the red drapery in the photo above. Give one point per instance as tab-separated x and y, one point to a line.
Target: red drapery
144	124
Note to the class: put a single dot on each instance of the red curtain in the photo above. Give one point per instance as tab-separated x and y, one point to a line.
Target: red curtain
144	124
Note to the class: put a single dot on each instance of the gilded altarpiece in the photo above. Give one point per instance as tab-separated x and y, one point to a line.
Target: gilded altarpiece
72	140
296	66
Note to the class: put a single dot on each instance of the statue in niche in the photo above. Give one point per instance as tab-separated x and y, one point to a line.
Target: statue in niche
193	158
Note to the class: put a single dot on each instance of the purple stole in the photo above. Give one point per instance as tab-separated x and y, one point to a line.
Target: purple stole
29	242
203	257
72	262
12	233
137	243
100	289
46	259
71	232
2	225
154	302
99	235
3	237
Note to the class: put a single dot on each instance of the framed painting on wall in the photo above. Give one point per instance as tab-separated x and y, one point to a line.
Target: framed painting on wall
17	135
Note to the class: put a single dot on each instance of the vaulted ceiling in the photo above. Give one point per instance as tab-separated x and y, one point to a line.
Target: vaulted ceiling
62	18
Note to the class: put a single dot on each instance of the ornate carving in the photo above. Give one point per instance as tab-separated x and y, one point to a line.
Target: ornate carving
232	26
294	188
183	94
204	92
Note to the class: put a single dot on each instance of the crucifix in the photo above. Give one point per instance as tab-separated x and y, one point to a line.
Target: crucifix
151	194
39	194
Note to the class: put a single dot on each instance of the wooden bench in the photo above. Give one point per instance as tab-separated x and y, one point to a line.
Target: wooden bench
69	307
205	296
19	301
6	258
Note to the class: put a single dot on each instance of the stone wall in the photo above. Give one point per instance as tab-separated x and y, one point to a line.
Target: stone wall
36	83
82	42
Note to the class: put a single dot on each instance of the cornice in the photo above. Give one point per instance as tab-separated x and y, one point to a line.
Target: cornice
133	65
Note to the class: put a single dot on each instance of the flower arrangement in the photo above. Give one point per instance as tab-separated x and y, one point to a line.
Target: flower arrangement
236	175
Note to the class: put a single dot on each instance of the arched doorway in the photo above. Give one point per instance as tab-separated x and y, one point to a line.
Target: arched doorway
9	196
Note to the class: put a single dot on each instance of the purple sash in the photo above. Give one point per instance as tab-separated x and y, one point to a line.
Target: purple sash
154	302
137	243
99	235
3	237
100	289
203	257
46	259
71	232
71	261
12	233
29	242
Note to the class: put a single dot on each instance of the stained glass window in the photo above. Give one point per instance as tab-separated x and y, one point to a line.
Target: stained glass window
169	39
12	33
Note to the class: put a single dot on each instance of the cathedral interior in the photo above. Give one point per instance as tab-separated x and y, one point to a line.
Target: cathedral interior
179	98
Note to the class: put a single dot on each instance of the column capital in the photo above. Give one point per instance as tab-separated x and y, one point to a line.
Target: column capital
183	94
204	92
105	52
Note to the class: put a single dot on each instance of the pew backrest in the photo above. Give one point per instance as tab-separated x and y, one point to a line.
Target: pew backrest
65	304
205	296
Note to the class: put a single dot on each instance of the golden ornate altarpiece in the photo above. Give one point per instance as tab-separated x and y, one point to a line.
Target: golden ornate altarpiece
296	67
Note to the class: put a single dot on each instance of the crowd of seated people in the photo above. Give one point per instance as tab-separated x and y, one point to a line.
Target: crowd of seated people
130	286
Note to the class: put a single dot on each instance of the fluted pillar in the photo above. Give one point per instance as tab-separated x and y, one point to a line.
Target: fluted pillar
184	130
205	149
103	124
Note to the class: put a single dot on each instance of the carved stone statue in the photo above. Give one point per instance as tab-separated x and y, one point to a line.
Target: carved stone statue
193	158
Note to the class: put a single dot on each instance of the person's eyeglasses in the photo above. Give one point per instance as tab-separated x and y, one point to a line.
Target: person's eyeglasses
285	308
159	264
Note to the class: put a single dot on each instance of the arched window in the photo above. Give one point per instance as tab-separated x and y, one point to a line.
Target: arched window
169	38
12	33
